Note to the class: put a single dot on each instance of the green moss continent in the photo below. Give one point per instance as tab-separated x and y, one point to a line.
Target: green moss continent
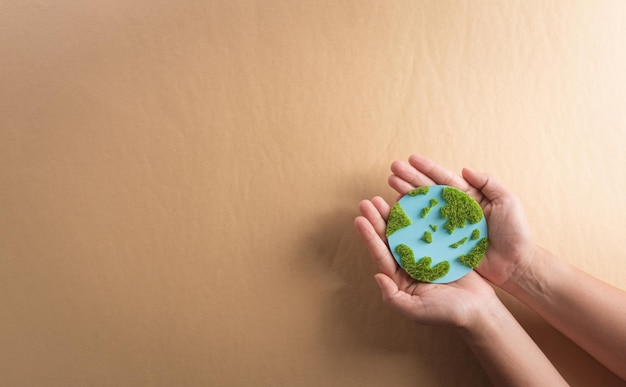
427	237
459	243
421	269
472	259
475	234
420	191
434	227
425	211
397	219
460	208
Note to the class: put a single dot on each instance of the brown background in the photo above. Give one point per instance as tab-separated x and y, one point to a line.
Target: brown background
179	178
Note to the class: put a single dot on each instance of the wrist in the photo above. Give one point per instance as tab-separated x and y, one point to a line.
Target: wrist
484	320
533	278
507	352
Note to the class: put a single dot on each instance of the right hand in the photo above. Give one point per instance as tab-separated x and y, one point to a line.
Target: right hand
511	249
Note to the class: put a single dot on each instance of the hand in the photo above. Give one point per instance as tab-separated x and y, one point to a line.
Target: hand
510	246
458	304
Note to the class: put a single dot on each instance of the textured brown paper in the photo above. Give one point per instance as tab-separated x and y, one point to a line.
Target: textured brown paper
178	179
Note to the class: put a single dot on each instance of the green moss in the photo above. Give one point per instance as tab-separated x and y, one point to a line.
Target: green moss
459	243
460	208
427	237
434	227
397	219
420	191
475	234
421	269
425	211
472	258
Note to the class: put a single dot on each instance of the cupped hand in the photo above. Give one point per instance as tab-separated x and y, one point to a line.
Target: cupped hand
457	304
510	246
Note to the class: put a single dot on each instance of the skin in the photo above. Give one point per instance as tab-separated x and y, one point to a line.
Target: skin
548	285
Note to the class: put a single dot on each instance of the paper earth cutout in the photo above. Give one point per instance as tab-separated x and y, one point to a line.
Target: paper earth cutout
437	233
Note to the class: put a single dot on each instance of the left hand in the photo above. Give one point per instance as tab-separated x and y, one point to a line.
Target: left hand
457	304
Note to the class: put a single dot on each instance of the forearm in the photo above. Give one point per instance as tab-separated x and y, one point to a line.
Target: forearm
588	311
509	356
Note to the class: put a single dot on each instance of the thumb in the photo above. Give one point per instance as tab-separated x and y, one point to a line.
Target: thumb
393	296
388	288
485	183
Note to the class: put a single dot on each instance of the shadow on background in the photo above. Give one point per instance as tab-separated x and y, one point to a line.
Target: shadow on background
357	321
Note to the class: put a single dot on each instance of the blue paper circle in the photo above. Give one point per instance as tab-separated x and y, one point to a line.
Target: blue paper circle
439	249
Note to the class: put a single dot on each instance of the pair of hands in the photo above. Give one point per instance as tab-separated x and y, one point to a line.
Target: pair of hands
460	303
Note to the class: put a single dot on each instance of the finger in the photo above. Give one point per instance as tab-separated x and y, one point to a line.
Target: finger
382	207
400	185
437	173
410	174
486	184
393	296
377	248
388	288
373	215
